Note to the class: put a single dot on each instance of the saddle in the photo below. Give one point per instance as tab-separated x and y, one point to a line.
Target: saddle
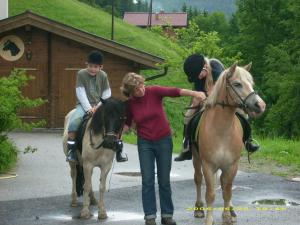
81	130
192	129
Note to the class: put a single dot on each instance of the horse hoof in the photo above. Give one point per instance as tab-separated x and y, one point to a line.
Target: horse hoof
102	216
227	220
209	222
233	219
85	214
233	216
73	204
199	214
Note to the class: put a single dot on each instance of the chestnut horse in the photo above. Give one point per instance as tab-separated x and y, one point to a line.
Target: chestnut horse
219	137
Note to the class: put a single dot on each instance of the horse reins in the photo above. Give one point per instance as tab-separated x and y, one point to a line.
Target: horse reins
242	105
108	134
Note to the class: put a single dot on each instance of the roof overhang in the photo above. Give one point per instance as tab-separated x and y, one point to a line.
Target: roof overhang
145	59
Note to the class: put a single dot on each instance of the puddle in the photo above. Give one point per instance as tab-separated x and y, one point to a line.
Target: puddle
121	216
138	174
129	174
7	176
112	216
174	175
61	217
237	188
284	202
295	179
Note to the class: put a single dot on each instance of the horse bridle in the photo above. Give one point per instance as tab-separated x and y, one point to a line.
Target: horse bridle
113	134
241	105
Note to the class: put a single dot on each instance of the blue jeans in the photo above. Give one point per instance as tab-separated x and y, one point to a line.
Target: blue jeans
161	152
76	118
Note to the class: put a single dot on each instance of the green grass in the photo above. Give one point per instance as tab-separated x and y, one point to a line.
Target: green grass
283	151
277	156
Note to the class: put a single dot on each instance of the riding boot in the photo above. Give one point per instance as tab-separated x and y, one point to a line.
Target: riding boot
71	154
119	155
247	137
186	153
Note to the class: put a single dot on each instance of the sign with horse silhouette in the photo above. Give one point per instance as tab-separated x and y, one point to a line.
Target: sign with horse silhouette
11	48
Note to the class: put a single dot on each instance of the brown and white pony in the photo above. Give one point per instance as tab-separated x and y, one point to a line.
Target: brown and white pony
220	138
98	142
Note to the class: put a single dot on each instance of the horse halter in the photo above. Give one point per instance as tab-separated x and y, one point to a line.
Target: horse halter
111	133
241	105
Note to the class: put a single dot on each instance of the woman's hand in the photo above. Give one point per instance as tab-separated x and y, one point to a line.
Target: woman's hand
196	94
199	95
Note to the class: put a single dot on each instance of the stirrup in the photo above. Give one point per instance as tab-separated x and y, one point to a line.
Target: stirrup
251	152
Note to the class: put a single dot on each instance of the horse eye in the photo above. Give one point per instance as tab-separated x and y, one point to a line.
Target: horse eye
238	85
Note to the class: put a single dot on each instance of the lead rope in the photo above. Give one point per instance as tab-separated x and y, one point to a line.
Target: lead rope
112	170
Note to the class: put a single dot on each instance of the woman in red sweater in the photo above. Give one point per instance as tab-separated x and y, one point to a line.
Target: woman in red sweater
145	109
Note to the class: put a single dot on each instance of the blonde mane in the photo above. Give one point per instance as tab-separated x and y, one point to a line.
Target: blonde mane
240	73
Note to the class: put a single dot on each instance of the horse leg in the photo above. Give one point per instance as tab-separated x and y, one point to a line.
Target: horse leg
92	198
73	172
198	212
85	212
227	177
210	191
102	211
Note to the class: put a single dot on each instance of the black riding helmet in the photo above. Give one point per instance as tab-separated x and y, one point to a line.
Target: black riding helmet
193	66
95	57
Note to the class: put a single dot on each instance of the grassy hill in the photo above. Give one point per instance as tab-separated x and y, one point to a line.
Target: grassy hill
96	21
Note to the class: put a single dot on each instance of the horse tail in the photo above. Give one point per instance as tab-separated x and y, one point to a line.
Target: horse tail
79	180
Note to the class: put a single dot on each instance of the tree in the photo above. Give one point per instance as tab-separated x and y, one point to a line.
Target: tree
269	36
282	81
184	7
260	24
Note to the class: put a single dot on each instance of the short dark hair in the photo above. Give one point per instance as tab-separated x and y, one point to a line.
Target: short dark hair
95	57
193	66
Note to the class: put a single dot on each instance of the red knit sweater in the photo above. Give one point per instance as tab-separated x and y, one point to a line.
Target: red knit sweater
148	113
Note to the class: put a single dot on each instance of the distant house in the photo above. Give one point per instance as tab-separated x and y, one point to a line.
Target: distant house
140	19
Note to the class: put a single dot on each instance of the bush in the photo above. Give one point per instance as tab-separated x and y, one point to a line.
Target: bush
12	102
8	154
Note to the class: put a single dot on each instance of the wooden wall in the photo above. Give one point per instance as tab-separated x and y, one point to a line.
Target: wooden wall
55	62
36	67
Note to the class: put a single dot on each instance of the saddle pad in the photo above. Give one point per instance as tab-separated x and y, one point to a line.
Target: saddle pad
194	127
81	130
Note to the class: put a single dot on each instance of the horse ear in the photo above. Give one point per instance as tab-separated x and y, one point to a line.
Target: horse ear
103	101
232	70
248	67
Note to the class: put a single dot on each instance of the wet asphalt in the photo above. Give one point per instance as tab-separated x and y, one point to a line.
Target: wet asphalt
40	194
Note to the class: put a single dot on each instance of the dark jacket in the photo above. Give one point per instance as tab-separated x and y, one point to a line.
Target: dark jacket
217	68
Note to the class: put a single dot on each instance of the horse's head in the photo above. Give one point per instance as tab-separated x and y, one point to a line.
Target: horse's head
239	88
7	45
109	120
12	47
